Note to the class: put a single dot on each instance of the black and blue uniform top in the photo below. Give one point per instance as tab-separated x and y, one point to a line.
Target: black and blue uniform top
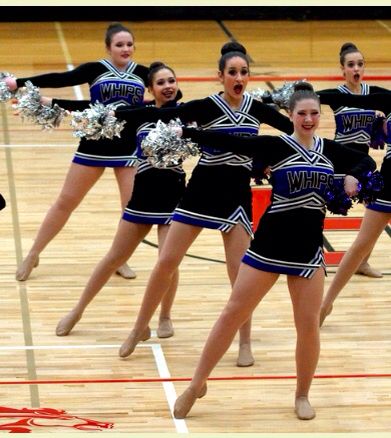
352	124
107	85
376	101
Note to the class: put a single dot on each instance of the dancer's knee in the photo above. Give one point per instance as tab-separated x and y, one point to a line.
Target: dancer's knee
114	260
66	203
308	327
167	265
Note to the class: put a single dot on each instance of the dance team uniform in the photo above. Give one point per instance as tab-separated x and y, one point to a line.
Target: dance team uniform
156	192
352	124
382	102
218	194
108	85
289	238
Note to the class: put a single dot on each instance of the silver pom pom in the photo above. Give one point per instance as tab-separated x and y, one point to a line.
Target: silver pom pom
259	94
96	122
50	117
281	96
29	107
164	148
5	93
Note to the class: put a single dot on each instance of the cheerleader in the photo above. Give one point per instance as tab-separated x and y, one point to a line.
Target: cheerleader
117	80
377	214
354	124
155	195
302	168
218	194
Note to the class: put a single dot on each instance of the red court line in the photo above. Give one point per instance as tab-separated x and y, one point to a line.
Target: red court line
267	78
188	379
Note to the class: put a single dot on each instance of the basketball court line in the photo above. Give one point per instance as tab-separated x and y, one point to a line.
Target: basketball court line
23	297
68	58
382	24
160	361
163	371
230	35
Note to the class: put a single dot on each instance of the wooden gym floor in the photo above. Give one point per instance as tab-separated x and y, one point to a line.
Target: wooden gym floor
82	374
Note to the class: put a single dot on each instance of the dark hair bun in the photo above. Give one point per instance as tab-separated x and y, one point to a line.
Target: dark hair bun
156	64
347	46
115	26
233	46
303	86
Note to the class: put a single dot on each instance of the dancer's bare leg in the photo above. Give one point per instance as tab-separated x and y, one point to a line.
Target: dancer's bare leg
128	237
236	243
372	225
250	287
179	238
78	182
165	328
125	180
306	295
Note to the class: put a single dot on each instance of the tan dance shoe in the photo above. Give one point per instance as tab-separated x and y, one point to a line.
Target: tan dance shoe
303	409
245	357
165	329
366	269
126	272
66	324
185	401
132	340
24	270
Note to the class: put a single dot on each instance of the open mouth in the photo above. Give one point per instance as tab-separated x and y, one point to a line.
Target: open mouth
356	76
238	88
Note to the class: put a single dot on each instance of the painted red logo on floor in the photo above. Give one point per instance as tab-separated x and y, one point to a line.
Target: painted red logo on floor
26	418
